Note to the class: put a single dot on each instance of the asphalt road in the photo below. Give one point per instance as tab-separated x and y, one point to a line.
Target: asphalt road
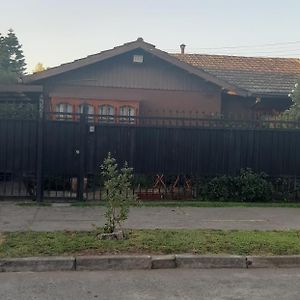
14	218
155	284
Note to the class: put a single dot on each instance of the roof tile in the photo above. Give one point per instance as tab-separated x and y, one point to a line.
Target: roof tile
258	75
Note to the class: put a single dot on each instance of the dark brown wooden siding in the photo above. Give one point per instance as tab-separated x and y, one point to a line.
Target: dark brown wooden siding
120	71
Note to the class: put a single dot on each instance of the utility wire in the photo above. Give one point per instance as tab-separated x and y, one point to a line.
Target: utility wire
282	44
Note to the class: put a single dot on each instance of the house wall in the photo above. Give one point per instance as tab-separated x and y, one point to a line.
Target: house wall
152	87
236	105
146	101
245	106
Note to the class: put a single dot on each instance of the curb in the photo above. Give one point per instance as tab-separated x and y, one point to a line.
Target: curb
144	262
210	262
37	264
100	263
164	262
288	261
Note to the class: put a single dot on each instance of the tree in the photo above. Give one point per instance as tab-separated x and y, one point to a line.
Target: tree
12	61
12	67
118	197
17	60
6	75
18	110
293	113
39	68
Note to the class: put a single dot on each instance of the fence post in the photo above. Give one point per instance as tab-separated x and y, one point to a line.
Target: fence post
40	142
82	145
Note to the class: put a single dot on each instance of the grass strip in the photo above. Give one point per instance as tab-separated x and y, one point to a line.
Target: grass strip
236	242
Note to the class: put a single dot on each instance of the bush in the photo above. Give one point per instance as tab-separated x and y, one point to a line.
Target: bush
248	186
221	188
253	187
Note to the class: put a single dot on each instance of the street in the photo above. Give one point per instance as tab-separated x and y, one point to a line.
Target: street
155	284
16	218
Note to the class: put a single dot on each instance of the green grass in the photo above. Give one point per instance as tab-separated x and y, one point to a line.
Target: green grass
23	244
198	203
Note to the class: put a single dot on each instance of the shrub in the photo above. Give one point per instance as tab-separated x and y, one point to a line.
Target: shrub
253	187
248	186
118	196
222	188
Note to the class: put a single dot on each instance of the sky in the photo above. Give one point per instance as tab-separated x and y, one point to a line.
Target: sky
54	32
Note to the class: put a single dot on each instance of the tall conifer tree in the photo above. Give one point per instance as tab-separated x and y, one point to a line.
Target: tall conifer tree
12	61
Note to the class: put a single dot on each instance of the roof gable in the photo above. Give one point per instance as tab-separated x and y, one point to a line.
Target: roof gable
241	75
121	72
138	44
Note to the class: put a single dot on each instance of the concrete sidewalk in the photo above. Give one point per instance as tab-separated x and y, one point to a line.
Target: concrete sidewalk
16	218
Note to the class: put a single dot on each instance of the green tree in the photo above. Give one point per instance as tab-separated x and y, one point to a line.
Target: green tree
6	75
118	196
293	113
12	67
17	60
12	61
18	110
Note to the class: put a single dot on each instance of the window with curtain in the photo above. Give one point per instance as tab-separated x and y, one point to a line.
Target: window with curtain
107	113
90	109
127	114
65	109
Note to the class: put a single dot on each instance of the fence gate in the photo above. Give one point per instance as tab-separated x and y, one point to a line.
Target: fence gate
18	157
61	156
42	158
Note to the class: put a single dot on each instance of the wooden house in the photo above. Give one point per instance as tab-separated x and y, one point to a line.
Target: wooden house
137	79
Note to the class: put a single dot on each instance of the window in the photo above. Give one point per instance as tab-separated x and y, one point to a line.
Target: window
66	111
127	114
107	113
138	59
90	109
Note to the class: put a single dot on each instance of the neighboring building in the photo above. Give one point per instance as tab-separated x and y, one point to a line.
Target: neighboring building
139	79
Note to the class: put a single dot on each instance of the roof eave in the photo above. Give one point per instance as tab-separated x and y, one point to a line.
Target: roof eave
20	88
270	95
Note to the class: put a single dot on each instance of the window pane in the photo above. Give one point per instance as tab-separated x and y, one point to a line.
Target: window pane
127	112
123	111
110	110
131	111
64	108
59	108
106	112
69	108
90	109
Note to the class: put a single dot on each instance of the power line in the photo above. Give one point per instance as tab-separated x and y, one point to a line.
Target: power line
287	51
269	45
